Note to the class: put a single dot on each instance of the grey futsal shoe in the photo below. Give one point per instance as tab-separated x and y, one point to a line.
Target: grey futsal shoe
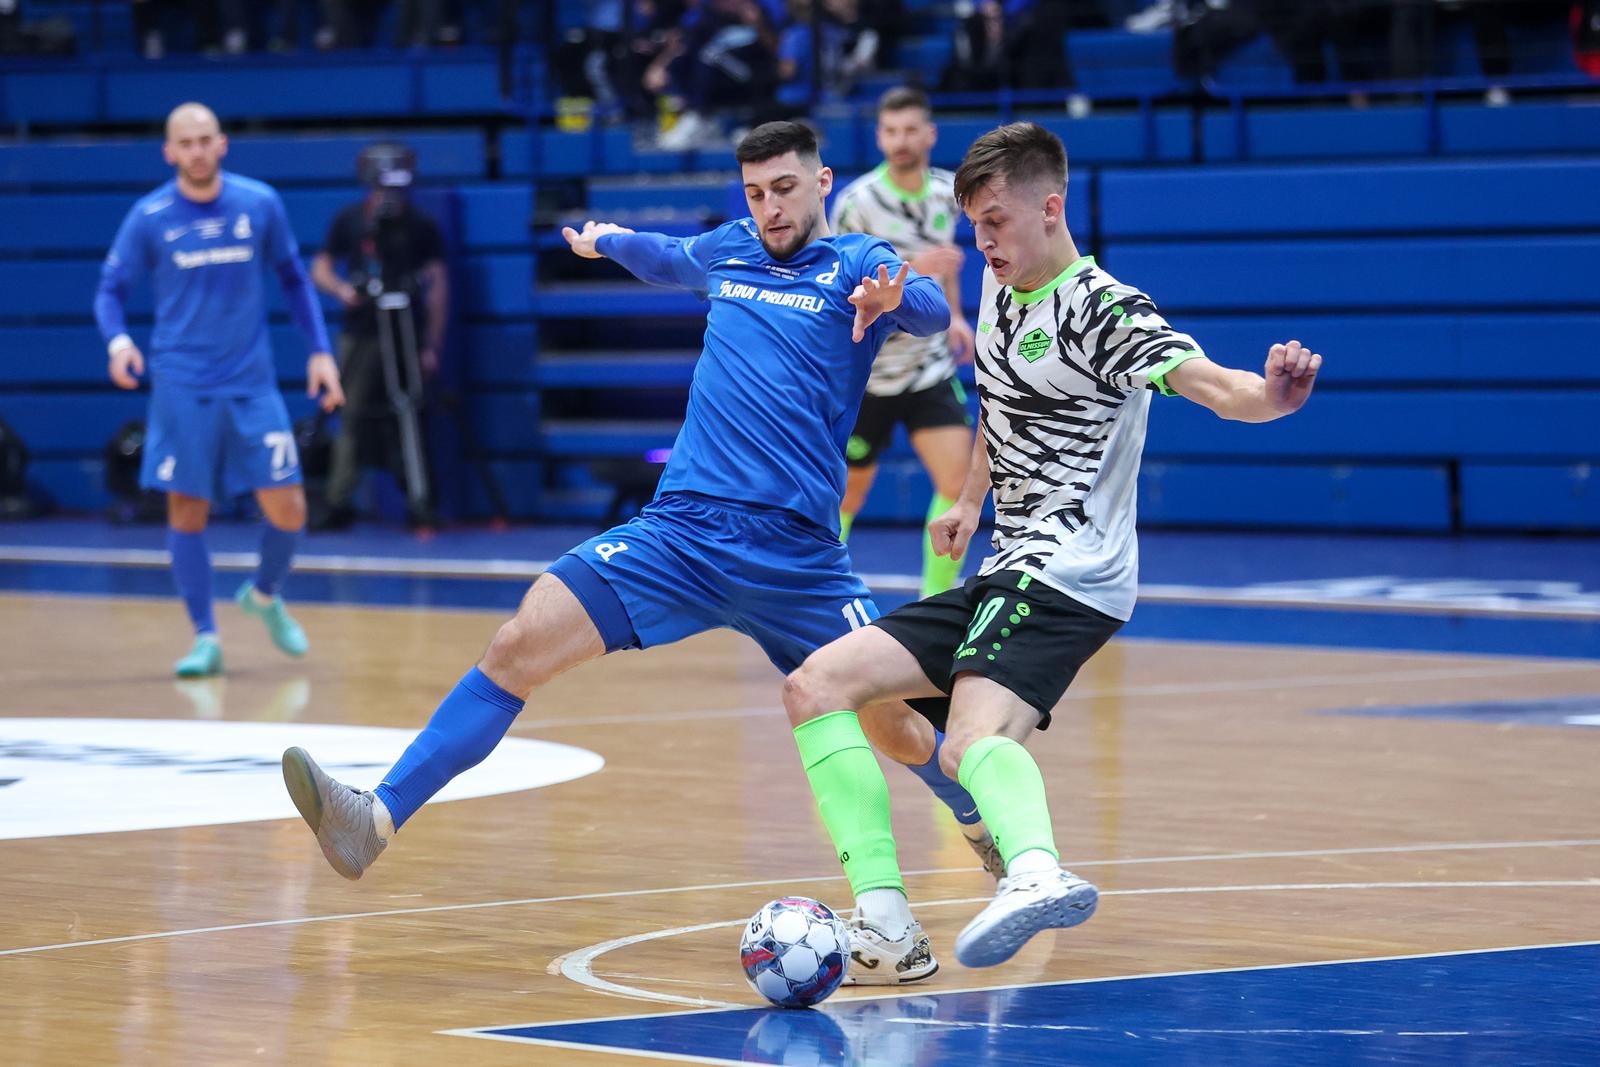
1022	907
988	854
877	959
340	816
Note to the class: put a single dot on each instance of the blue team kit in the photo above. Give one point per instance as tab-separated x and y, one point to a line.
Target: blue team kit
216	421
744	531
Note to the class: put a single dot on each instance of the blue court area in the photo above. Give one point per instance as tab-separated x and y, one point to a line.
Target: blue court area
1523	1006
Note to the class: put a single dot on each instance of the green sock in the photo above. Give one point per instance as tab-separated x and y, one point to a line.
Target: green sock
1006	783
938	572
846	520
853	797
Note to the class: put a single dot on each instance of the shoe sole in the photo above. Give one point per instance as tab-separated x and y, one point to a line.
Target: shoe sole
209	672
302	786
1002	940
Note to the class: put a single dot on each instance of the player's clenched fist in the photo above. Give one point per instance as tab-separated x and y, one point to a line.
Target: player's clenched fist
951	531
1291	372
583	243
127	364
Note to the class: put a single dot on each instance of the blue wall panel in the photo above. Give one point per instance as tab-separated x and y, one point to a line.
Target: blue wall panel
144	94
496	216
1526	497
70	422
1328	133
1405	198
1293	494
1392	425
1525	127
1497	272
499	284
1516	348
44	97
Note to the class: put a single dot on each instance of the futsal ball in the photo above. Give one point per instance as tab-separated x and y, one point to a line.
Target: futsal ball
794	952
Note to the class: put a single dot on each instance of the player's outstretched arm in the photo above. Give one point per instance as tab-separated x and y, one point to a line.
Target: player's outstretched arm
583	243
1290	375
951	532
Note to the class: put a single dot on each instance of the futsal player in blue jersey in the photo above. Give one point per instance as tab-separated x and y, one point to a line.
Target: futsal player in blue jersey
205	241
744	531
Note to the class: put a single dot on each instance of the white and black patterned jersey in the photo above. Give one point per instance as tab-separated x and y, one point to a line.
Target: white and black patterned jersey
1064	380
913	223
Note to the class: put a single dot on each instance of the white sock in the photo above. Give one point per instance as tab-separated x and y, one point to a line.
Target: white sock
382	821
886	909
1033	861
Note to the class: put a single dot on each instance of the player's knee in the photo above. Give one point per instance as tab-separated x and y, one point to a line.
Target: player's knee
289	512
951	753
513	655
805	696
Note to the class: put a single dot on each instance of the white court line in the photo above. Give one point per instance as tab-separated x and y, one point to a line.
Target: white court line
896	583
578	966
1436	674
478	1032
1439	846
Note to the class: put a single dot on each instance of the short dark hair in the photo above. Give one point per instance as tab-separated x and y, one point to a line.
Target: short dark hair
1020	153
902	98
772	139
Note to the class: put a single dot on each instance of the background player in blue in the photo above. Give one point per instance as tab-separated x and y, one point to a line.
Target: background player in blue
743	532
217	421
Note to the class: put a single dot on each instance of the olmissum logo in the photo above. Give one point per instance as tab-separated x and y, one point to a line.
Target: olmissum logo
1034	345
95	776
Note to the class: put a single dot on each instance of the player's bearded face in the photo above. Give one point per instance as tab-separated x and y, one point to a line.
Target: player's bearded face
785	197
906	137
196	150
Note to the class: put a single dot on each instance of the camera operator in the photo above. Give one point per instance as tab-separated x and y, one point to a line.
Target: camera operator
384	261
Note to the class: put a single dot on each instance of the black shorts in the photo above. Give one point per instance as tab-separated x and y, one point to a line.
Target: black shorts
944	404
1007	626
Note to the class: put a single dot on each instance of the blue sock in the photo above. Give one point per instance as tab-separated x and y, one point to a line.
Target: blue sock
191	571
466	728
277	552
945	788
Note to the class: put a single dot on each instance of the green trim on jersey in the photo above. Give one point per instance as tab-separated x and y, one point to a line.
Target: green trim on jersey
1158	377
1055	283
882	174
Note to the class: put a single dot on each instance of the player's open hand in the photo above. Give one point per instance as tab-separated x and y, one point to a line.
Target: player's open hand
127	364
951	531
583	243
1291	372
322	376
877	296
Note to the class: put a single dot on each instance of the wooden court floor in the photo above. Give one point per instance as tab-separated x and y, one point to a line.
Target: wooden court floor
1230	819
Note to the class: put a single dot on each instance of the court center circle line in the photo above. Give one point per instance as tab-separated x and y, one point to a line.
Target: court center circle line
578	966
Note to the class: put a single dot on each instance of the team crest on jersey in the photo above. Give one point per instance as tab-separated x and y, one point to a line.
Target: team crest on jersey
1033	345
241	228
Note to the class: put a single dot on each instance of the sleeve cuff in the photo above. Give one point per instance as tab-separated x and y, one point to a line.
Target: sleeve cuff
118	343
1158	377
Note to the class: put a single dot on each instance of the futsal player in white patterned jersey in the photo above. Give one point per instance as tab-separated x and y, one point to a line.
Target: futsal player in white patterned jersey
913	382
1068	360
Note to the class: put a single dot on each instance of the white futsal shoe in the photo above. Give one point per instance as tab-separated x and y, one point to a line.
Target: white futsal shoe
878	959
340	816
1023	906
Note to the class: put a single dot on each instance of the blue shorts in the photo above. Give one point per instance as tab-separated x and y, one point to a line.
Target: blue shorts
691	563
216	447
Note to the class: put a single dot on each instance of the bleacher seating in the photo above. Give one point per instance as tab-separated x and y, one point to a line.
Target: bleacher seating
1441	254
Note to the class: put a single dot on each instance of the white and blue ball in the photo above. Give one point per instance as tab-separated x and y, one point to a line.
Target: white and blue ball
794	952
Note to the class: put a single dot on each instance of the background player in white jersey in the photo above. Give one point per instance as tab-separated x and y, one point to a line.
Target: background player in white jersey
912	206
217	421
1067	360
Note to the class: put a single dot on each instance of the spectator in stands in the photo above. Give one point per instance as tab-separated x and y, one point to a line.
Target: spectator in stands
382	244
604	60
1021	43
725	55
1586	36
219	25
1416	29
798	67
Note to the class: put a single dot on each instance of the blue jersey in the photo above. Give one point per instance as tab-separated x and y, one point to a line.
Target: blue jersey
779	381
206	264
